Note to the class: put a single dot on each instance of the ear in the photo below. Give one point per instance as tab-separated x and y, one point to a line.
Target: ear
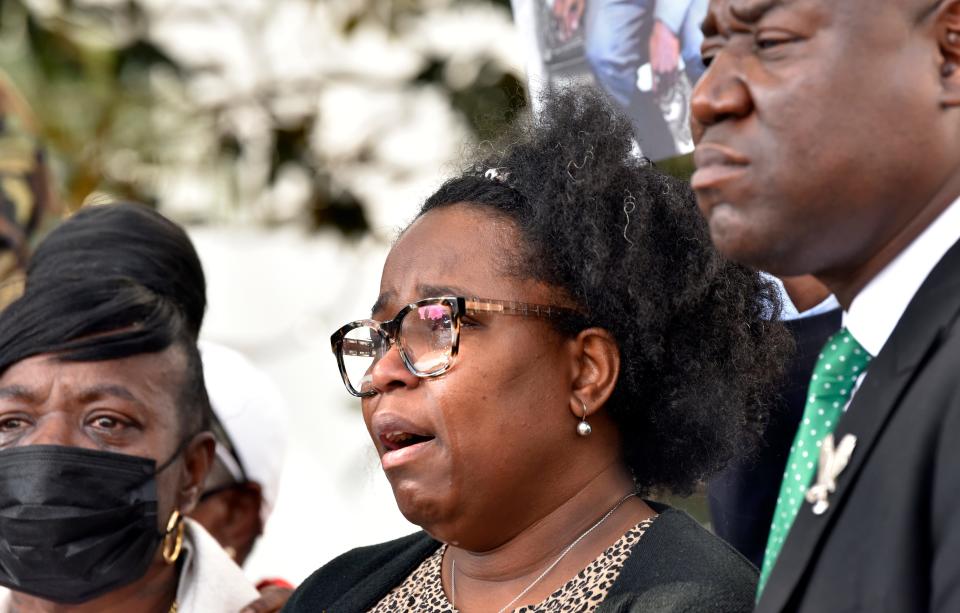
598	368
232	516
244	525
947	28
197	460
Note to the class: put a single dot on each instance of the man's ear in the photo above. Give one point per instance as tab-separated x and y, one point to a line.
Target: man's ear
197	460
597	358
947	28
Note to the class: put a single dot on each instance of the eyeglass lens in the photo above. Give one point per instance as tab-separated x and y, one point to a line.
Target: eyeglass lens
426	336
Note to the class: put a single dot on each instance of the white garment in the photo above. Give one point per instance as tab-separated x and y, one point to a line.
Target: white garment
876	310
789	311
210	582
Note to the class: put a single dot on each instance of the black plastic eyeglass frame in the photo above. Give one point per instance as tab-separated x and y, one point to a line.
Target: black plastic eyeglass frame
459	306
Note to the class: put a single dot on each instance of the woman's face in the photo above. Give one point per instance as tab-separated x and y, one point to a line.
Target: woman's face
497	429
127	405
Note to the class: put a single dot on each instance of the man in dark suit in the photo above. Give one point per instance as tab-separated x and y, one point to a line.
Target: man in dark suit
742	498
828	142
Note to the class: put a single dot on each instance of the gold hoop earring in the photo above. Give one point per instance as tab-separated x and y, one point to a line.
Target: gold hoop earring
173	538
583	428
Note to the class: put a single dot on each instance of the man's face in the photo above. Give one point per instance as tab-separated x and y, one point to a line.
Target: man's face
819	130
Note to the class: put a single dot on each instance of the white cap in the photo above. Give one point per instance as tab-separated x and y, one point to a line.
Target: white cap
253	413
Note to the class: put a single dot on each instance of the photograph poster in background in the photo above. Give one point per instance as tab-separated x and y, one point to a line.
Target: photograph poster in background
645	54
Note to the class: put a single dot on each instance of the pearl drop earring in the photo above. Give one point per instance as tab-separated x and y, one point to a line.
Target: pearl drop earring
583	428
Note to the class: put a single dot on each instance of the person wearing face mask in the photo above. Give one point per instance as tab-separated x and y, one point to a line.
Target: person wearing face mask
554	339
249	419
104	448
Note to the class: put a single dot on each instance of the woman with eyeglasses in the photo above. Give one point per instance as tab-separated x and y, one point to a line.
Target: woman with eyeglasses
555	339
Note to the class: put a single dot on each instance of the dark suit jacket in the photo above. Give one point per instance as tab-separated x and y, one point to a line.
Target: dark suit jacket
743	497
890	541
677	567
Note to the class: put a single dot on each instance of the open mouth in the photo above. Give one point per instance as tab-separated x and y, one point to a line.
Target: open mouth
392	441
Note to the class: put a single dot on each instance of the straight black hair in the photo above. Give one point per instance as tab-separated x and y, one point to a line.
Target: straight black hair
126	240
101	318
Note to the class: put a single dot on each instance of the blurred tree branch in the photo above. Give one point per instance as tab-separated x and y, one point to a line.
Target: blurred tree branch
126	114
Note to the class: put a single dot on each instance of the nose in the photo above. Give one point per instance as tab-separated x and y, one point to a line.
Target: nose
54	429
721	94
390	373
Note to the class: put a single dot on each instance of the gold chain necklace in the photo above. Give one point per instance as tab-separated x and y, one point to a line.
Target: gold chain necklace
174	607
453	563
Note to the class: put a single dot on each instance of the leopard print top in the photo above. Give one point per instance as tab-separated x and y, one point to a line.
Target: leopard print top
422	591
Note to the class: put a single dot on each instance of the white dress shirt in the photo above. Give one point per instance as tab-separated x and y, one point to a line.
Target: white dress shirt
789	311
876	310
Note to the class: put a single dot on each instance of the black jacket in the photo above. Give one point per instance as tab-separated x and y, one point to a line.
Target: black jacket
890	541
743	497
676	567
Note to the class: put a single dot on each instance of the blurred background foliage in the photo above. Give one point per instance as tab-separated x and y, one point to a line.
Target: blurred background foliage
268	111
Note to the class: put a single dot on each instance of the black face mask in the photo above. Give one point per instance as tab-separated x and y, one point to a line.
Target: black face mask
75	523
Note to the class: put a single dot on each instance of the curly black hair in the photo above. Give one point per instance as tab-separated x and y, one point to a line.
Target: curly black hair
700	356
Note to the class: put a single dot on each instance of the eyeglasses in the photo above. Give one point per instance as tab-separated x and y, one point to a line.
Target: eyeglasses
427	335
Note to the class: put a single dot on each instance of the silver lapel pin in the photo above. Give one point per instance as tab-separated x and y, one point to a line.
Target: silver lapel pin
832	462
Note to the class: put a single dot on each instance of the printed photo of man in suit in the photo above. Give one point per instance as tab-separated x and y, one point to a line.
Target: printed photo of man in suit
637	50
644	54
828	143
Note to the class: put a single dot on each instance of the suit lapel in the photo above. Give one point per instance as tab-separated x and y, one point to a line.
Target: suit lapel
915	338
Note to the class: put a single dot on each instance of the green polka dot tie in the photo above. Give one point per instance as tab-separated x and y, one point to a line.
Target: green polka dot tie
842	361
